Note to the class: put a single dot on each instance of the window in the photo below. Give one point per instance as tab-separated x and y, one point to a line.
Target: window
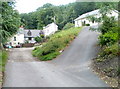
14	38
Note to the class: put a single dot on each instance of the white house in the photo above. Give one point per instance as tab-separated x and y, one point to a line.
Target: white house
18	38
30	34
50	29
83	19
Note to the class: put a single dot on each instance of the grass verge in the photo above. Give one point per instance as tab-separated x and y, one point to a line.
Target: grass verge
56	43
3	60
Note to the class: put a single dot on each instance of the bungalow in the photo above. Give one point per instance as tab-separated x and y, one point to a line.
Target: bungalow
50	29
83	19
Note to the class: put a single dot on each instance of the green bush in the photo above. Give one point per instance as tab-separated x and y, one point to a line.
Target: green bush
112	51
107	24
68	26
42	35
87	24
108	38
38	39
55	43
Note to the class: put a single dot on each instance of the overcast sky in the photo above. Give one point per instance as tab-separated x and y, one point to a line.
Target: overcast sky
26	6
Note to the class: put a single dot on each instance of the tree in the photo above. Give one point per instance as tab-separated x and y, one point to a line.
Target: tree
10	21
64	14
109	27
107	22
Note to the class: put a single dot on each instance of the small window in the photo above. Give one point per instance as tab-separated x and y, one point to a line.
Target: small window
14	38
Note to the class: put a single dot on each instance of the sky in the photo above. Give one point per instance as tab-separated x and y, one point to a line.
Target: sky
26	6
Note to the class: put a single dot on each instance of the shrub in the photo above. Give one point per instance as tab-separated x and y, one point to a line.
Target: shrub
87	24
68	26
108	38
112	50
42	35
38	39
55	43
107	24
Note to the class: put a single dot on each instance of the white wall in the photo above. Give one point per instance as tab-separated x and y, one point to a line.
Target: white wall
78	23
115	14
19	39
51	29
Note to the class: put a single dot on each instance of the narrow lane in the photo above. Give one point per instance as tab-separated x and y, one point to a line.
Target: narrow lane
70	69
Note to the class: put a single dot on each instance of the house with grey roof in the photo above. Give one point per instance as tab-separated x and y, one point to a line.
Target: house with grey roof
83	19
30	34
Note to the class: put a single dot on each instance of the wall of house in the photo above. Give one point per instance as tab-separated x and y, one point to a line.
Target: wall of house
51	29
18	38
115	14
79	23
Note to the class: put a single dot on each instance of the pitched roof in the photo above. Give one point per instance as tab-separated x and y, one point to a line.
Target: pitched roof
95	12
32	33
88	14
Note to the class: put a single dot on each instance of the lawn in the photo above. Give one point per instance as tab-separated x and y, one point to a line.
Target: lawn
56	43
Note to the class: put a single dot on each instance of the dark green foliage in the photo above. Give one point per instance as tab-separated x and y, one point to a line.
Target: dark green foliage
38	39
55	43
87	24
61	15
108	38
108	23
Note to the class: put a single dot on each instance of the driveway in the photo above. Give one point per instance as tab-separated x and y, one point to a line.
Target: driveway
21	55
70	69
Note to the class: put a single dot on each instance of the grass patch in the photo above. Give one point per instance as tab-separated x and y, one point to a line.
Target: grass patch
55	43
3	59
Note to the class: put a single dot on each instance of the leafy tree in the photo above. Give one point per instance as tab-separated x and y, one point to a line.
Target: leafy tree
109	27
63	14
10	21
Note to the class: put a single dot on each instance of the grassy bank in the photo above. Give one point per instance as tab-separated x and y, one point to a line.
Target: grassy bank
3	59
56	43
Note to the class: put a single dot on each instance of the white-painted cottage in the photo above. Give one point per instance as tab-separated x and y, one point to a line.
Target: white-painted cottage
18	38
50	29
83	19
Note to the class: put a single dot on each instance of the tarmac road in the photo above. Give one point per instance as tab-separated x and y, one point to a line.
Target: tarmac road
70	69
